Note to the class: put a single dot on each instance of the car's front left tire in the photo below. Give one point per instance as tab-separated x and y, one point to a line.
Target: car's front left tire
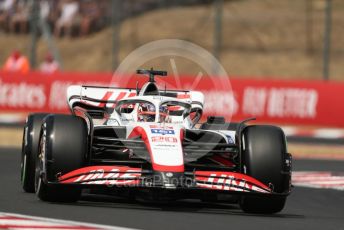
63	145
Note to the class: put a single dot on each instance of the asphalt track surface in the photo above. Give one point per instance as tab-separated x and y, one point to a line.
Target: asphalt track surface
306	208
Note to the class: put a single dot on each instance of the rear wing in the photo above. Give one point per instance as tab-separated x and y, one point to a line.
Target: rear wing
107	97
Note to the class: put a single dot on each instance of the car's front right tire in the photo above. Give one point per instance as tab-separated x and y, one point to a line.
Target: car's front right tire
264	155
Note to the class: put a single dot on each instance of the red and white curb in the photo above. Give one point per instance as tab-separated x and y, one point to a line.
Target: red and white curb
319	156
20	222
321	180
13	118
326	133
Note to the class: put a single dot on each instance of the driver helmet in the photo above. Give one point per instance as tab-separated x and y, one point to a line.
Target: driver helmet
146	113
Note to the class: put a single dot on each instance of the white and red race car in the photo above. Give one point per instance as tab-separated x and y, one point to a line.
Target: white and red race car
144	142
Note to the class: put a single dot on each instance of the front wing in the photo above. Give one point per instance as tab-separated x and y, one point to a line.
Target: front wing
129	177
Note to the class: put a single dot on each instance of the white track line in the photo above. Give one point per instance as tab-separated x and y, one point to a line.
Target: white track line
18	221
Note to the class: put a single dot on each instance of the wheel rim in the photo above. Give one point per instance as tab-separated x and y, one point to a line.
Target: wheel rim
23	169
40	160
23	158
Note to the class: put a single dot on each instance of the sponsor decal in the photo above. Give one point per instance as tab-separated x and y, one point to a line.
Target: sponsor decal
22	95
127	119
215	101
284	102
230	182
58	90
104	175
164	139
183	96
165	127
162	131
164	147
291	102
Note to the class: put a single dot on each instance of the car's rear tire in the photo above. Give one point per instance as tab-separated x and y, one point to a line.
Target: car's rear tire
31	132
63	145
264	156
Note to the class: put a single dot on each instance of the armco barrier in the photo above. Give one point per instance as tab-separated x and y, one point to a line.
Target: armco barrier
287	102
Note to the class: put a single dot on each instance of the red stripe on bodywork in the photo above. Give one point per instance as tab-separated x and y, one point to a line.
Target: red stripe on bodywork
182	131
106	97
168	168
183	96
137	132
120	96
132	94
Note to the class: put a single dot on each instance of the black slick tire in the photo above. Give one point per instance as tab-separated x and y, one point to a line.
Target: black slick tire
63	145
263	157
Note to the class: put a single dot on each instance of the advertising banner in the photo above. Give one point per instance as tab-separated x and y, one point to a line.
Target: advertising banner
277	101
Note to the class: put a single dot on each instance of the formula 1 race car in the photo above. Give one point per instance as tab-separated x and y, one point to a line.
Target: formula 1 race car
148	143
